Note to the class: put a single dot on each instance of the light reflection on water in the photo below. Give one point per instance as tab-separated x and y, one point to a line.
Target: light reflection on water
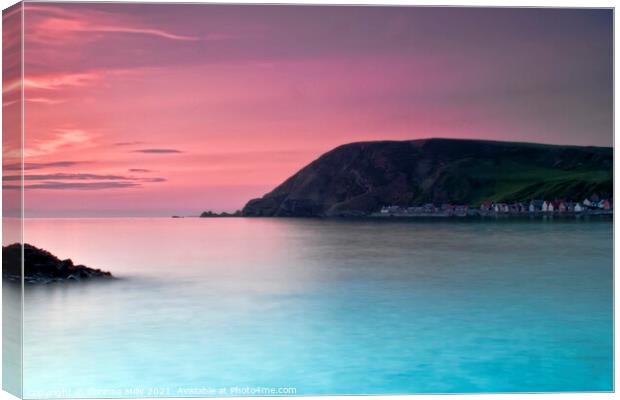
326	307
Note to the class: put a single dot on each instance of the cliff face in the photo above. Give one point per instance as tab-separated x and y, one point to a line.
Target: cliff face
359	178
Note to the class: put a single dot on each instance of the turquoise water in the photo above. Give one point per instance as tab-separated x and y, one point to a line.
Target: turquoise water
214	306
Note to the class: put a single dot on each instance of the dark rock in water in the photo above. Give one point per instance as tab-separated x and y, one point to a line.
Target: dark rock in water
211	214
357	179
41	266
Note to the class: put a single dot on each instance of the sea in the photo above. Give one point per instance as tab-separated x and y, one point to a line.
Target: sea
264	306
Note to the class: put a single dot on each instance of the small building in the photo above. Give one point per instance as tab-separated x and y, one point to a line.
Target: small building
461	210
502	208
536	205
429	208
578	207
391	209
486	205
605	204
447	208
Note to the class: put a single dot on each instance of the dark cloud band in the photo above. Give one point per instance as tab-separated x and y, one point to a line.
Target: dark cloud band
158	151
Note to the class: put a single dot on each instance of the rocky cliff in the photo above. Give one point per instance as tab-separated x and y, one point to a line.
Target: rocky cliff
359	178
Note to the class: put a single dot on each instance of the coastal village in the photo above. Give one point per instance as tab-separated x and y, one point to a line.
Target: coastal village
593	205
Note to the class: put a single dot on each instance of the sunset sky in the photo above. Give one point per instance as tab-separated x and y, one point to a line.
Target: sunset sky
136	110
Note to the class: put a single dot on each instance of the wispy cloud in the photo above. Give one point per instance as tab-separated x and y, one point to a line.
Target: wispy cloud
125	29
51	82
54	81
57	176
139	170
9	103
62	138
11	85
44	100
153	180
158	151
54	23
127	143
76	185
37	100
31	166
79	181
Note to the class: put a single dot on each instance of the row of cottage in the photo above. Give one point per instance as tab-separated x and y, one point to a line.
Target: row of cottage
546	206
489	207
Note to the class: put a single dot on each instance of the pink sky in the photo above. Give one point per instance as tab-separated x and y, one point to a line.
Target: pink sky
175	109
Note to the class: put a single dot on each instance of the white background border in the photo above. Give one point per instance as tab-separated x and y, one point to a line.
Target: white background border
476	3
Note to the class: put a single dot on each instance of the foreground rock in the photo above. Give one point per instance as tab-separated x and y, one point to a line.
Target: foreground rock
357	179
41	266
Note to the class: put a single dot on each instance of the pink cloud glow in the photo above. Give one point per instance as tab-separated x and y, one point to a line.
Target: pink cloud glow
59	27
54	23
204	107
60	139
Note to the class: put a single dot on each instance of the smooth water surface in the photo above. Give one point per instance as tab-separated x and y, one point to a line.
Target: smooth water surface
207	306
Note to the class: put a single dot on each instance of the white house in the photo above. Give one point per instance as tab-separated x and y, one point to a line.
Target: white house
578	207
587	203
545	206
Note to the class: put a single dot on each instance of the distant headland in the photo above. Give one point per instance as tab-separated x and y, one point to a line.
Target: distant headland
211	214
441	177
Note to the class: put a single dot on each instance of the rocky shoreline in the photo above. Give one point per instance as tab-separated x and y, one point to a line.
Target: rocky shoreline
41	266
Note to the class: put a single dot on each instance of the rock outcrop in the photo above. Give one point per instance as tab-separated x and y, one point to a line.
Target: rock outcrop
41	266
